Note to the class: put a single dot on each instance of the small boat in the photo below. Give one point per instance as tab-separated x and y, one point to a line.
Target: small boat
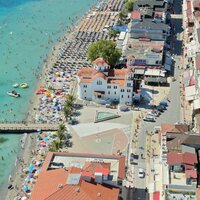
13	94
15	85
23	85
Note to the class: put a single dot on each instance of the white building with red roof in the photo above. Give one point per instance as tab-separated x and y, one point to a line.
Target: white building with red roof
104	85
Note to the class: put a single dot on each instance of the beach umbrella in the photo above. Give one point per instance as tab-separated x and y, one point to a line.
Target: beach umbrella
25	188
44	98
55	100
27	179
31	167
30	175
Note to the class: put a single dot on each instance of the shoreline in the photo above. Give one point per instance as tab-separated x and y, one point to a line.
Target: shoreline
47	65
34	102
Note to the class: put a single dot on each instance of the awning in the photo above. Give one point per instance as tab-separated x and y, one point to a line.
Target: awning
196	104
190	93
139	71
155	72
156	196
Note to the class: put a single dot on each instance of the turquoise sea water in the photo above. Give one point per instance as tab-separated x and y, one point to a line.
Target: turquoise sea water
28	31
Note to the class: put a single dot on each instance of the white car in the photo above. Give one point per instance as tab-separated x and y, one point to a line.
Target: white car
141	173
149	118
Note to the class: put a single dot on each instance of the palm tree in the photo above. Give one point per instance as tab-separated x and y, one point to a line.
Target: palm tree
55	145
67	111
62	127
70	97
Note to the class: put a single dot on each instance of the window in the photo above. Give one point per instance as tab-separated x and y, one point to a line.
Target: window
85	91
128	96
128	84
99	82
115	93
108	86
122	96
128	90
122	90
115	87
85	86
108	92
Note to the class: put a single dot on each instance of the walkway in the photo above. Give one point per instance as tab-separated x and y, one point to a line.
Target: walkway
26	127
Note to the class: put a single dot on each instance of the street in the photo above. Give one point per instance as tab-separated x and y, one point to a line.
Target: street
171	115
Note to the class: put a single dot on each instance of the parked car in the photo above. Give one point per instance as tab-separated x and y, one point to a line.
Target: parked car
163	103
154	113
133	158
141	173
149	118
161	108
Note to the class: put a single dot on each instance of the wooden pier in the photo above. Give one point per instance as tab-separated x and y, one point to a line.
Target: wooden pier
26	127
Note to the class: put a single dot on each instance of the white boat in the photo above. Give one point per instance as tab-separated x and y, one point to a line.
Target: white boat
15	85
13	94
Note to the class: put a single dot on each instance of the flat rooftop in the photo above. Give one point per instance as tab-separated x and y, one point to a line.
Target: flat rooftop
151	51
117	163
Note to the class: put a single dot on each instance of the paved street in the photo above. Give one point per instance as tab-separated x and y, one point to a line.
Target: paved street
171	115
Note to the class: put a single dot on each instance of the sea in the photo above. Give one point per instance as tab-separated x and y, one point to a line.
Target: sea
28	31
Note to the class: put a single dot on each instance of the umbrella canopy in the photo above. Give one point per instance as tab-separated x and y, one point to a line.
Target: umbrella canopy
46	139
31	168
30	175
25	188
27	179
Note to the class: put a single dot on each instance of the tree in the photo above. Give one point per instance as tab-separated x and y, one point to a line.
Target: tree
62	128
129	5
55	145
68	105
112	32
105	49
67	111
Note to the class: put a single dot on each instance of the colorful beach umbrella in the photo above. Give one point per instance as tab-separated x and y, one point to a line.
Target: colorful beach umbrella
25	188
31	168
30	175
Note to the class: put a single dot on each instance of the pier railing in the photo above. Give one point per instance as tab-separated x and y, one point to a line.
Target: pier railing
26	127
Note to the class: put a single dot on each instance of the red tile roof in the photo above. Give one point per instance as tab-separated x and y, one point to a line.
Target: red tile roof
95	167
104	171
181	158
47	183
191	173
85	191
196	4
174	128
100	61
192	80
136	15
115	76
189	11
197	60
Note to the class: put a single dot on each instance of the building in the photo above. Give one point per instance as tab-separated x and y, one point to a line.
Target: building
182	171
149	28
79	176
179	156
104	85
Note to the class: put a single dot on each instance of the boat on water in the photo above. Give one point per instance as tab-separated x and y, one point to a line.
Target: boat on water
13	94
16	85
23	85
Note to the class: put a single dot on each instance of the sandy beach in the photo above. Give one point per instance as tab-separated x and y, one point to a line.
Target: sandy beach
57	62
